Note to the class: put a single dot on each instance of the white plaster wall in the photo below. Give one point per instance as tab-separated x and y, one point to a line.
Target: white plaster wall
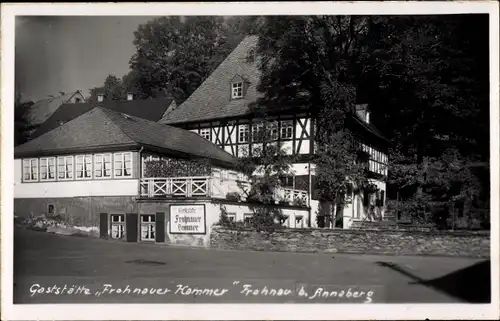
314	212
241	209
304	147
303	169
75	188
110	187
214	134
287	146
355	212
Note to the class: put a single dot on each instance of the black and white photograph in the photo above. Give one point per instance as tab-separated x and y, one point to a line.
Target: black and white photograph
328	159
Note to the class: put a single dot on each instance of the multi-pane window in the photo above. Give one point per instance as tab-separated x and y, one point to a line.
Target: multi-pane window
48	169
237	90
287	129
205	133
247	218
102	165
148	227
231	217
256	131
30	169
243	134
123	164
117	226
65	167
273	130
285	221
299	222
83	166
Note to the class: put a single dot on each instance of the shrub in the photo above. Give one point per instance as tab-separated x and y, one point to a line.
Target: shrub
233	196
177	168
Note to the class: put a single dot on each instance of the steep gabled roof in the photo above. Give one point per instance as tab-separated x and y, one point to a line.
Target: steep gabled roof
105	129
212	99
150	109
44	108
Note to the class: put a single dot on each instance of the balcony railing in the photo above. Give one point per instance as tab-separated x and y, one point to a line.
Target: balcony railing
292	195
176	186
206	186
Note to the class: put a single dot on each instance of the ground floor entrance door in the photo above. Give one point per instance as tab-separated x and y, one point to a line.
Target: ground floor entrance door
131	227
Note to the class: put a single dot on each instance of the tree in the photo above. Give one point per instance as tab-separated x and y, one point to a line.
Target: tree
265	167
425	78
23	127
174	55
177	55
432	82
311	62
113	89
431	98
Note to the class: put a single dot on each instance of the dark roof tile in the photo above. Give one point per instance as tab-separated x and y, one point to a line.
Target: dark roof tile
150	109
105	128
212	99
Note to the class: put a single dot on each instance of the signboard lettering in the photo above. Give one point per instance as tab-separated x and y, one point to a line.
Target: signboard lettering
187	219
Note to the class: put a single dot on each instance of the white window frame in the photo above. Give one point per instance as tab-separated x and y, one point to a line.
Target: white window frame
286	131
274	130
99	159
47	166
118	224
120	157
84	164
231	217
31	164
149	222
247	216
206	133
243	133
237	90
256	130
285	221
299	221
63	160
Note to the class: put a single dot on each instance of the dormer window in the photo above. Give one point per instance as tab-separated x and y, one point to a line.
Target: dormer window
237	90
251	55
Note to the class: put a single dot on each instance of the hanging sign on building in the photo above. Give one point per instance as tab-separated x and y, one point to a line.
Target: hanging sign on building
187	219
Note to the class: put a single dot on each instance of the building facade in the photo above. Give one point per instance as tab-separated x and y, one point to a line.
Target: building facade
97	170
220	111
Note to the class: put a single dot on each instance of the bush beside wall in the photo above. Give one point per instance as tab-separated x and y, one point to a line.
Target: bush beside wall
463	244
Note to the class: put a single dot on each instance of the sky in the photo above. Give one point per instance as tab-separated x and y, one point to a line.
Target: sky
69	53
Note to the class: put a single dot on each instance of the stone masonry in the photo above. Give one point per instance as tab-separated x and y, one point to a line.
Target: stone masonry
463	244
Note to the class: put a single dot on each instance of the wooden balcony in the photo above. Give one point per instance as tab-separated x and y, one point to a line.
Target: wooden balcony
175	187
293	196
212	187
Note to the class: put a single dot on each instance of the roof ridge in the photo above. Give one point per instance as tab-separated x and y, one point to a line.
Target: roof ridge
184	131
111	120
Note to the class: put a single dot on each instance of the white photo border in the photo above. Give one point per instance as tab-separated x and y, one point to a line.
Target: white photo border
238	311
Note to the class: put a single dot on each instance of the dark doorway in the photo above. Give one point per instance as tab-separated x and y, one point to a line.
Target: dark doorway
131	226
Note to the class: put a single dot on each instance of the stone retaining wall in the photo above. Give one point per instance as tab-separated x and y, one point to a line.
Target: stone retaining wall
465	244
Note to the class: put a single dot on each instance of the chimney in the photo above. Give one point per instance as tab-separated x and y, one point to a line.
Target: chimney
100	97
130	96
367	117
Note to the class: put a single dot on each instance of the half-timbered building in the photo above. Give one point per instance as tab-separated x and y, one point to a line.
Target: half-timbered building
98	170
221	111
